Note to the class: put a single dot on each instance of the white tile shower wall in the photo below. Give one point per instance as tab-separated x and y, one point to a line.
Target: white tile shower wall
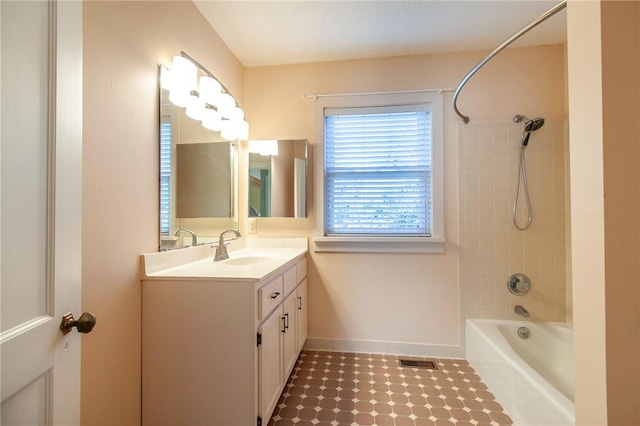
491	246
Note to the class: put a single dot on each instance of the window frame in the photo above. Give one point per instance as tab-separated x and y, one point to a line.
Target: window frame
374	243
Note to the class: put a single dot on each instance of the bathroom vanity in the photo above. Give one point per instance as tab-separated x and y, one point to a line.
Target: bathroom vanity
219	339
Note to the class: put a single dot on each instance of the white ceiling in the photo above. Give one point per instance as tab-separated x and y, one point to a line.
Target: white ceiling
271	32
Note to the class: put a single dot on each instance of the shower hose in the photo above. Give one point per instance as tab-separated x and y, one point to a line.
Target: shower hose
522	179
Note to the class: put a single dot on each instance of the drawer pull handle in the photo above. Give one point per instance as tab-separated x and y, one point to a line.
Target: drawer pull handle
275	295
284	324
299	302
286	321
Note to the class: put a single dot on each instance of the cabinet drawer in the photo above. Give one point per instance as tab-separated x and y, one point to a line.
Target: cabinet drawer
290	280
270	296
301	270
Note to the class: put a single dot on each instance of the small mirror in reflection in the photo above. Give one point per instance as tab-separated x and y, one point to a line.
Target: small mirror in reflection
278	178
203	180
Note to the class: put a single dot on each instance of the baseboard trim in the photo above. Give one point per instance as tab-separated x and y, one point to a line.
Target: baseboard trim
384	347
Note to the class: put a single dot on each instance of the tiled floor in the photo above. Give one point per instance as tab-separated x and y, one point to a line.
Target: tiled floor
336	388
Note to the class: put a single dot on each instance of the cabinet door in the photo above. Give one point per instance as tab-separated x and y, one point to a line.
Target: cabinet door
290	347
270	363
301	314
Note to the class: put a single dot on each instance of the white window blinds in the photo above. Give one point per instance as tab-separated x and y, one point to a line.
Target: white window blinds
165	176
377	171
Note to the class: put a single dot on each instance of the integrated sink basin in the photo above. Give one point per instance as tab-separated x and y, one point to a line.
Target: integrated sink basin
247	260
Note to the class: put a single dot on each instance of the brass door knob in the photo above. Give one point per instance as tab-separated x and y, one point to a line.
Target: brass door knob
84	324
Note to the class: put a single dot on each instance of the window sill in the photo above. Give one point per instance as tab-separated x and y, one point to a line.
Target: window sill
379	244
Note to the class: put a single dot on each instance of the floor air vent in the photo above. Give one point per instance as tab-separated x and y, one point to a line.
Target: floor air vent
412	363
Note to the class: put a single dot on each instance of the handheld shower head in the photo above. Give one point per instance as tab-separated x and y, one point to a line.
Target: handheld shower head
530	125
533	125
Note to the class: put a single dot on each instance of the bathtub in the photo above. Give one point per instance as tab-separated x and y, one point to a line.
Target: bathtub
532	378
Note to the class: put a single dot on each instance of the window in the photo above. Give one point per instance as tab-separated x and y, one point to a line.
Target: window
382	174
377	171
165	176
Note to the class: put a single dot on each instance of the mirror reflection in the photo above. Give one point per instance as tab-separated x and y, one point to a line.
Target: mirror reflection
203	177
278	178
197	178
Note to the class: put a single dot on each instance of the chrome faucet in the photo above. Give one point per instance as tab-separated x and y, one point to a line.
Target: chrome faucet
221	250
520	310
194	239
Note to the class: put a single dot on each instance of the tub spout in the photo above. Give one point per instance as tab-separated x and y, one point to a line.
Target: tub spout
520	310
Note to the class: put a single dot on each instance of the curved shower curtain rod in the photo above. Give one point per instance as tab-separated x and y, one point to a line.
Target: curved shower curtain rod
555	9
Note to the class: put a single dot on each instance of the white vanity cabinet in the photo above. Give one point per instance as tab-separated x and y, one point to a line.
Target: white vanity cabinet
218	351
301	314
269	365
279	350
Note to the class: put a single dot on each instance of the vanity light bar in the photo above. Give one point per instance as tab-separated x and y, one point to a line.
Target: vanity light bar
206	99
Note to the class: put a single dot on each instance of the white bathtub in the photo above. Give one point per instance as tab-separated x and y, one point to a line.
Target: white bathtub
532	378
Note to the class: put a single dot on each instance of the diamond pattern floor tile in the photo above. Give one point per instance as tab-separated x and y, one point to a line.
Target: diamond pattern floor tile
341	388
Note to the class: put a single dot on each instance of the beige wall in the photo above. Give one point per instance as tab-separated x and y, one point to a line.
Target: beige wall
620	22
123	44
604	105
412	298
517	79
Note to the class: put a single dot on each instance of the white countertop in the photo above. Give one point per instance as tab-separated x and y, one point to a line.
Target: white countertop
250	259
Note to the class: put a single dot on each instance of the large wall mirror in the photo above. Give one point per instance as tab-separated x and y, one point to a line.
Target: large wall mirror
278	178
198	176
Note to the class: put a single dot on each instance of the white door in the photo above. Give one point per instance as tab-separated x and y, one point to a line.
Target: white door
40	221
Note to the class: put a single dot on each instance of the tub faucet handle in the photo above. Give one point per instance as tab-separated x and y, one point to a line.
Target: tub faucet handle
519	284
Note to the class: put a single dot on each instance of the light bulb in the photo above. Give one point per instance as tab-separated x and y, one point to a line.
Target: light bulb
235	113
195	108
211	119
228	130
242	127
185	74
210	88
183	80
264	147
224	103
179	97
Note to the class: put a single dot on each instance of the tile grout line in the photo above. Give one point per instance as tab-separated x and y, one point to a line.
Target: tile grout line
339	388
